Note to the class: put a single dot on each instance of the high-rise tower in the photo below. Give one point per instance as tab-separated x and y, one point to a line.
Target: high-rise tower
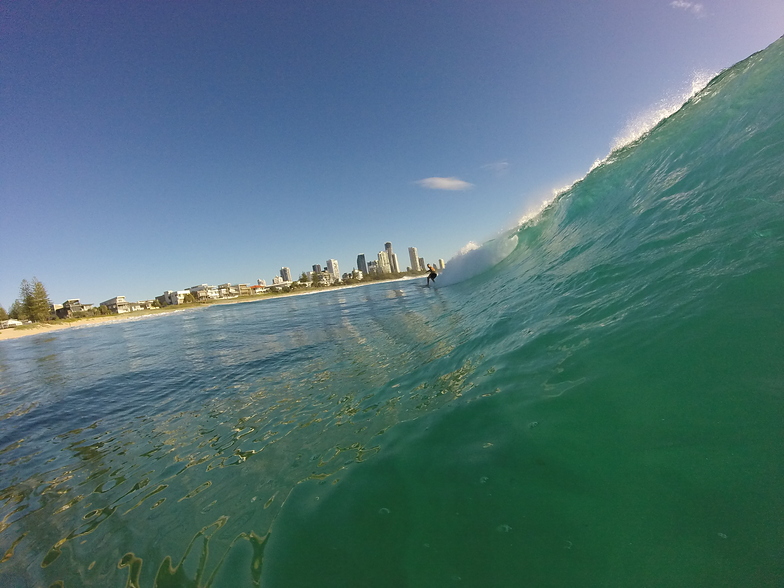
362	263
414	257
383	263
394	268
332	268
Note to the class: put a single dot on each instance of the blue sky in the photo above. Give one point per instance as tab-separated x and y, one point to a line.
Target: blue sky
151	146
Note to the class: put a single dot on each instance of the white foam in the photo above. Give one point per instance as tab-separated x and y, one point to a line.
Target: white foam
474	259
636	128
641	124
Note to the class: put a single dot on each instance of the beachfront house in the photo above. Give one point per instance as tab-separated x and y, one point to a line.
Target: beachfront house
70	307
117	305
141	305
204	292
228	291
172	297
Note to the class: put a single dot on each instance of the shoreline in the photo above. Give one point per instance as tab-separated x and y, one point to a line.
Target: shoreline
92	321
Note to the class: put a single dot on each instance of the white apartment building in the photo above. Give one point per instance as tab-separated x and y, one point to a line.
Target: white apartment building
413	256
332	268
383	263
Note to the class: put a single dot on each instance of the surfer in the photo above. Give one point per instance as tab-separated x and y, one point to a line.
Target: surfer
432	275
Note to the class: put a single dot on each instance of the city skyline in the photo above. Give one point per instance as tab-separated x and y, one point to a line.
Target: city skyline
284	275
145	145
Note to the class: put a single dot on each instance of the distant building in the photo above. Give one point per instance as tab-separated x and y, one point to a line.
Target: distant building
317	268
228	291
134	306
441	264
383	263
277	280
172	297
332	268
262	283
394	267
395	264
117	305
414	257
372	267
324	278
422	265
204	292
70	307
362	263
285	273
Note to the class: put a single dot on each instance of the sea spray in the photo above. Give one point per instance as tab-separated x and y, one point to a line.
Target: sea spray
473	259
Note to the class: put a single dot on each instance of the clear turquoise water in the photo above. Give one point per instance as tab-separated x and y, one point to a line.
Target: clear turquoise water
601	407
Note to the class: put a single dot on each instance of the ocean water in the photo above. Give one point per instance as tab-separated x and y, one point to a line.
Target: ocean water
595	398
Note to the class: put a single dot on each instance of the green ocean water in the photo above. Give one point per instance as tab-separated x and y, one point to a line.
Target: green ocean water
594	399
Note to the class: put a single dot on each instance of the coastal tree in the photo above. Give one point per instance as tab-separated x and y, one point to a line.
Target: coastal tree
34	300
3	314
17	311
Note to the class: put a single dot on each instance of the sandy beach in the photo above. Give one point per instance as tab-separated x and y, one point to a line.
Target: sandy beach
39	328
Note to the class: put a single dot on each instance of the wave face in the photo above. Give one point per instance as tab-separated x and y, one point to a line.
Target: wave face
596	399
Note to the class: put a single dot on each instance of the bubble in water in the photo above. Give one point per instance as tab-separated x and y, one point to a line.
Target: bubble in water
384	511
483	480
503	528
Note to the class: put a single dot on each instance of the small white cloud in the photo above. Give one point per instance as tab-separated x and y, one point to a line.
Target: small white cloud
444	184
497	166
694	7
